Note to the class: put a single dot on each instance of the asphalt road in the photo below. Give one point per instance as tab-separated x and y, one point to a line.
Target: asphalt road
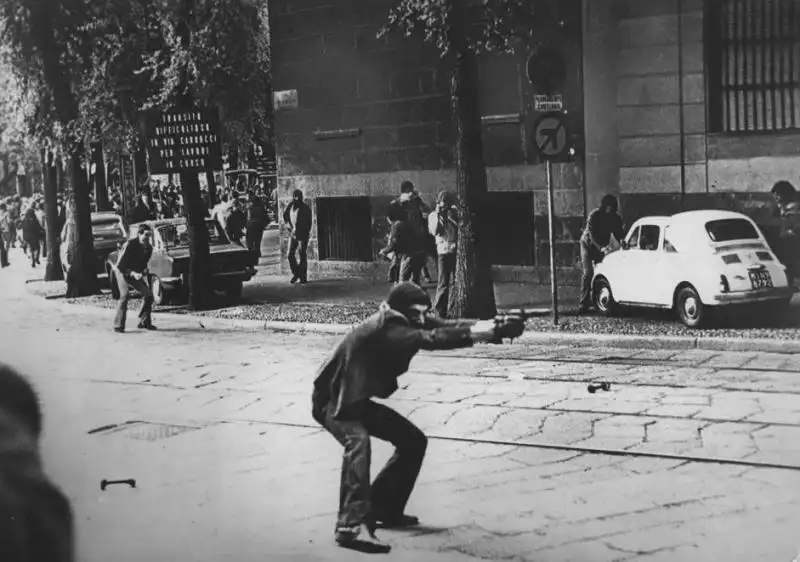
690	456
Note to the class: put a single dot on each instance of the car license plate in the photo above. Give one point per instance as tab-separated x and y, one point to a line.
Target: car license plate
760	280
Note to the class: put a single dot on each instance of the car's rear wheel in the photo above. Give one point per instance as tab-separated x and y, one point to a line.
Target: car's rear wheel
603	298
233	290
690	308
160	294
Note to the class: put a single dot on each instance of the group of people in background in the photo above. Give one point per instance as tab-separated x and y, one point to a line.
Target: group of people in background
23	223
418	233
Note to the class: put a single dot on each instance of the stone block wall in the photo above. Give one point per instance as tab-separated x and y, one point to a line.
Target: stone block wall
382	106
658	81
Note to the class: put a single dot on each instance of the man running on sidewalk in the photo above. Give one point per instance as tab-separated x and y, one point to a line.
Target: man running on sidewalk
366	364
131	272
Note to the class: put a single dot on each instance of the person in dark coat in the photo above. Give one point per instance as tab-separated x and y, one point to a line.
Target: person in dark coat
36	519
257	221
297	218
32	234
603	222
145	210
366	365
407	245
131	272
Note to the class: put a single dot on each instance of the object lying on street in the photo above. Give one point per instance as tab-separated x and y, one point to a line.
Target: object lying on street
106	483
599	386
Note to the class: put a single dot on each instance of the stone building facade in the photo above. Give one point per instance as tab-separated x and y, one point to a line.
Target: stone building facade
673	104
373	112
694	104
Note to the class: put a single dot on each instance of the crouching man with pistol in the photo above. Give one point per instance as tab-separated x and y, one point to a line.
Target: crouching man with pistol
366	365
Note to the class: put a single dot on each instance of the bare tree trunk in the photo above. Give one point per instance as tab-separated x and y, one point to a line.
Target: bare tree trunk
53	270
200	288
82	276
212	189
100	187
472	293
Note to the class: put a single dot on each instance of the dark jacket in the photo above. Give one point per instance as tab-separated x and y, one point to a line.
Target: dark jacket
256	215
142	212
32	230
369	359
404	239
134	257
600	226
301	230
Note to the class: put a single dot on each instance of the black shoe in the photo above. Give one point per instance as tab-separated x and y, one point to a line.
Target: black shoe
294	280
401	521
303	281
119	330
361	538
146	327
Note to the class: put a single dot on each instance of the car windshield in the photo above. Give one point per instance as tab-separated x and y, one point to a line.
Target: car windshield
726	230
177	235
103	227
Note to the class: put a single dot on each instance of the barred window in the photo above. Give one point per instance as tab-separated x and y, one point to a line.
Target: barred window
753	55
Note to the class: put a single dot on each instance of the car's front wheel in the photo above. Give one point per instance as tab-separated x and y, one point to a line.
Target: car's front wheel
160	294
690	308
603	298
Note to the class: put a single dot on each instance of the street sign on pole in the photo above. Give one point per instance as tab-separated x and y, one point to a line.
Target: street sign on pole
184	141
550	136
551	212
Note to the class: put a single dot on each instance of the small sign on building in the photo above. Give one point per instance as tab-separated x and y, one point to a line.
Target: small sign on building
548	102
184	141
285	99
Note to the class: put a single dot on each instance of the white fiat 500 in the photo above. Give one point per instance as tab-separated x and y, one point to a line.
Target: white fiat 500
692	262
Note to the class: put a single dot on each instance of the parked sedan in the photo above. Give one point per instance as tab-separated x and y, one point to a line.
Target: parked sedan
231	264
109	231
692	262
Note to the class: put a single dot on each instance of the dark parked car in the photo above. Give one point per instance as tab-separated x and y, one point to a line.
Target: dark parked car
231	264
109	231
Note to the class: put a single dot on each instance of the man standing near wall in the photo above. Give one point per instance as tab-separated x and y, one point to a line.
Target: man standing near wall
297	218
443	226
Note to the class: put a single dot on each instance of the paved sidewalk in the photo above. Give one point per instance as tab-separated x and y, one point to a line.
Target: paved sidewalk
240	472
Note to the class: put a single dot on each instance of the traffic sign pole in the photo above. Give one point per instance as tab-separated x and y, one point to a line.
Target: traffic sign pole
551	212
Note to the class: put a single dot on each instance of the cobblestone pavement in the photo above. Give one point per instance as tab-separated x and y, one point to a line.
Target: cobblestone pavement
230	464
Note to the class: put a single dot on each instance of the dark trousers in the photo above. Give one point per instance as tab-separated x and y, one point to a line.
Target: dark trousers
394	269
125	286
589	256
299	268
3	250
360	503
44	247
447	267
34	248
411	266
254	236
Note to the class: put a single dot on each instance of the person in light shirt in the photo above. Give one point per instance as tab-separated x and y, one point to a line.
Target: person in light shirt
443	226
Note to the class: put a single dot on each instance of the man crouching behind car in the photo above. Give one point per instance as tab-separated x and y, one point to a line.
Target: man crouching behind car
602	223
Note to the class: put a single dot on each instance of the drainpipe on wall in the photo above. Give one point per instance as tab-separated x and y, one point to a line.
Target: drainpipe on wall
680	103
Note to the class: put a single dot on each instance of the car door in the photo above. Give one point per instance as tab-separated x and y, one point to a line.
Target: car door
642	258
617	265
667	266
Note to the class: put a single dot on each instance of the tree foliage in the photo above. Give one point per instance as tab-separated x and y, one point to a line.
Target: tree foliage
91	68
502	26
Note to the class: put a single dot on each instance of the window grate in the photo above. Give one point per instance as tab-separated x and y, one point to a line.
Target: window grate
753	52
345	228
